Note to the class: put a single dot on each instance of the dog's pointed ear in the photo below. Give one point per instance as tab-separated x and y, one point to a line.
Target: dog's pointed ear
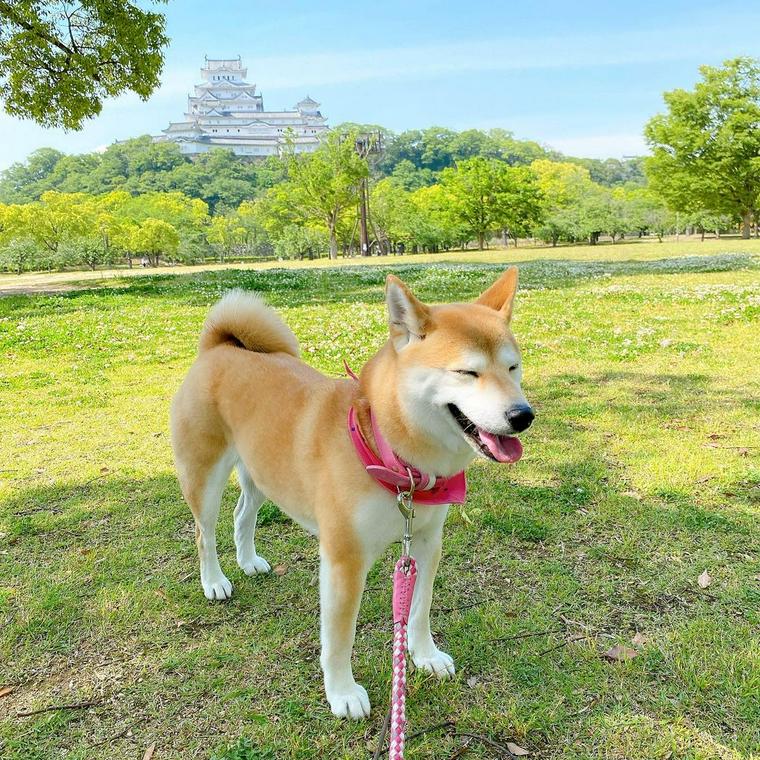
408	317
501	295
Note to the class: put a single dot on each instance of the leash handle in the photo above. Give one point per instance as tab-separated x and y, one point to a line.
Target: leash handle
404	578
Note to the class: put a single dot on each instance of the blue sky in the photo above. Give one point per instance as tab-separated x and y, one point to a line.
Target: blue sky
581	77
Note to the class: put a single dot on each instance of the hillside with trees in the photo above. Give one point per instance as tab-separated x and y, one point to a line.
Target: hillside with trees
429	190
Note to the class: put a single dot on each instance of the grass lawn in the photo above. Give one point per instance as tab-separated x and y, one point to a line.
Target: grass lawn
640	473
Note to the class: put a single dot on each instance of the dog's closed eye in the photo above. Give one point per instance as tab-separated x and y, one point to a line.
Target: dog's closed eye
468	372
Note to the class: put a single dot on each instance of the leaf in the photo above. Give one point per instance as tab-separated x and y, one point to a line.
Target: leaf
516	750
639	639
149	752
280	569
704	580
6	690
472	681
620	653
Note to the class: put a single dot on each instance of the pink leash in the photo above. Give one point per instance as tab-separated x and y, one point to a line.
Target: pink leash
404	577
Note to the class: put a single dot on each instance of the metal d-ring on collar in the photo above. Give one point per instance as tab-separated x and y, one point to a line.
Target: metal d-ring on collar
405	503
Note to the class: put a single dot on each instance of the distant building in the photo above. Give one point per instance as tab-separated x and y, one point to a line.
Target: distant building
227	112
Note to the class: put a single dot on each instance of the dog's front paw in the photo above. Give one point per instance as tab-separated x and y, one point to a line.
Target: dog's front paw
255	565
439	663
350	703
217	587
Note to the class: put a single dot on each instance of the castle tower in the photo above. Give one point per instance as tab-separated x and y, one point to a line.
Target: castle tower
226	111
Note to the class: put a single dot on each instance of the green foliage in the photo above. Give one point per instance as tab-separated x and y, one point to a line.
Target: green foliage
302	242
20	255
60	60
487	195
155	237
323	184
706	148
138	166
226	233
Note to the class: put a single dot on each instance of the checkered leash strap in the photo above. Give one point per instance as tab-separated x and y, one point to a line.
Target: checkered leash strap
404	577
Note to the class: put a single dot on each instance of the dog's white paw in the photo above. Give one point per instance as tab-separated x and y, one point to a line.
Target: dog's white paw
351	703
217	587
439	663
255	565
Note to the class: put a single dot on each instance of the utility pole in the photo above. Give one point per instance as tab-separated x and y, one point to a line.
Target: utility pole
363	234
367	143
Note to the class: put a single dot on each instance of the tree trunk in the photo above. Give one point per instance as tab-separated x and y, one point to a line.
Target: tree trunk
480	241
746	224
333	243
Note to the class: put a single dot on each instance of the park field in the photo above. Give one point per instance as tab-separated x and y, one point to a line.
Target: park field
632	520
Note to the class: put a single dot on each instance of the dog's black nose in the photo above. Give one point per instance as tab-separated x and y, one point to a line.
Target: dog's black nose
520	418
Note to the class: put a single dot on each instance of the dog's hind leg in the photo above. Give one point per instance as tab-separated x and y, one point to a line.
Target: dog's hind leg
246	511
205	499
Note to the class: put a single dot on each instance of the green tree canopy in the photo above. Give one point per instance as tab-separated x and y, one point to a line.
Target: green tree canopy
59	60
487	195
324	183
706	148
154	237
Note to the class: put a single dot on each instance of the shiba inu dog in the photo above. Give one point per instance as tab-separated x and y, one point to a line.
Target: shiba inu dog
444	389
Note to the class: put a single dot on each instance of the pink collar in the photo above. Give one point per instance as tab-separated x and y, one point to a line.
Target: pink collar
392	473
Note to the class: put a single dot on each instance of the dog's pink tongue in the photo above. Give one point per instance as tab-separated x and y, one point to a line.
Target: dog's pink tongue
505	448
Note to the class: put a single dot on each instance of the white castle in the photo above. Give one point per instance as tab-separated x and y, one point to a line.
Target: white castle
227	112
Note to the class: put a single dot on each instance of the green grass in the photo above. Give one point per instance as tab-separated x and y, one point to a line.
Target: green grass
640	472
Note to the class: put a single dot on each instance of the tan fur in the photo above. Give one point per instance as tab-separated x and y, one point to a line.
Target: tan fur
286	425
500	296
246	320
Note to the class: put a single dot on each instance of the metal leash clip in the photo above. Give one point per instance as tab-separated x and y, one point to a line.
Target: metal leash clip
405	504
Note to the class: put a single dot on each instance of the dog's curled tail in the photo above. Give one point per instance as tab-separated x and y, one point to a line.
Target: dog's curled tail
242	318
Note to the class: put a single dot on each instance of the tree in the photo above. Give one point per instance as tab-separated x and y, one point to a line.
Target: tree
25	182
154	237
563	186
706	149
434	222
252	217
301	241
487	195
19	255
324	183
56	218
187	216
60	59
226	233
